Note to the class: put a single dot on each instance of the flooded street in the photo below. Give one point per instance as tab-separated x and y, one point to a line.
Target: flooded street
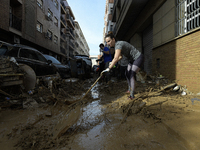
96	123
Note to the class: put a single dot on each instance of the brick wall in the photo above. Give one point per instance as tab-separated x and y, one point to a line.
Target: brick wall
4	14
180	60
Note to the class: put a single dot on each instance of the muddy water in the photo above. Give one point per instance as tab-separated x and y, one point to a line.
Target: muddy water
174	127
100	128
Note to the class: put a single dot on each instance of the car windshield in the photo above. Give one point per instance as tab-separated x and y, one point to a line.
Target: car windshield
54	60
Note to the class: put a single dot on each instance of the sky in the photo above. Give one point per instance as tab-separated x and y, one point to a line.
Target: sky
90	16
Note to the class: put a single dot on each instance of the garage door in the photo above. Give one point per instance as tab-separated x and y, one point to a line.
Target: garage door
147	48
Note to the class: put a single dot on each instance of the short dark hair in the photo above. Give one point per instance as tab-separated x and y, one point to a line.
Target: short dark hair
101	45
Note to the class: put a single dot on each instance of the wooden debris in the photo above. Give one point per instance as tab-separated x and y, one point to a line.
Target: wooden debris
2	92
144	96
159	103
71	116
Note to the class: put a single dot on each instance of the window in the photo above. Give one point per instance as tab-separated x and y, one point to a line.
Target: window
40	57
111	10
3	49
49	34
55	39
30	54
40	3
56	3
13	52
55	21
39	27
111	27
188	16
25	53
50	14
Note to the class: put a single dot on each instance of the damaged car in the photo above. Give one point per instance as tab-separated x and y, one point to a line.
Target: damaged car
63	70
84	65
31	57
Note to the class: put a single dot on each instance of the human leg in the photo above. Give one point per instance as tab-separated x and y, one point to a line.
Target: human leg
135	67
127	74
132	79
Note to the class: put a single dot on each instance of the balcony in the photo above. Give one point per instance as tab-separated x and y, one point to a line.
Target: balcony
71	44
63	8
70	32
70	20
62	36
71	53
63	22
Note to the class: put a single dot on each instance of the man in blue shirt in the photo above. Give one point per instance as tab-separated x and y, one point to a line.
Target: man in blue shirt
107	59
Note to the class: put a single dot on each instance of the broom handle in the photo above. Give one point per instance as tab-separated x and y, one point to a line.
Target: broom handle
92	86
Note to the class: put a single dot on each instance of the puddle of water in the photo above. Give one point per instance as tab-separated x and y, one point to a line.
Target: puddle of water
95	124
95	92
194	99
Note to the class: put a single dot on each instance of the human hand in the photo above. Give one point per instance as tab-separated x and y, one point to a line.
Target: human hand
106	70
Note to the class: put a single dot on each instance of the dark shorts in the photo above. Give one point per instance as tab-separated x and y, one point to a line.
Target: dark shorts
139	61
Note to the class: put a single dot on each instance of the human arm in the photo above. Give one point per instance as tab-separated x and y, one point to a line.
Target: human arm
116	58
106	52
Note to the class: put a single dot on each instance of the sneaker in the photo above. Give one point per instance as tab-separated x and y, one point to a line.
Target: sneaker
127	92
130	98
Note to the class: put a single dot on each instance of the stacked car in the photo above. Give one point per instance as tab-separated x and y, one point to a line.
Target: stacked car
35	59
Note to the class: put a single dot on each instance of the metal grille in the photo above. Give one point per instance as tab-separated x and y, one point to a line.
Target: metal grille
187	16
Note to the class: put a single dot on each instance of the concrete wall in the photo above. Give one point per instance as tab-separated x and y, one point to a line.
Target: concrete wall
4	14
136	41
178	57
48	25
164	23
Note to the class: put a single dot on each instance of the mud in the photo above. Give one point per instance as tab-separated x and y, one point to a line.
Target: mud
167	121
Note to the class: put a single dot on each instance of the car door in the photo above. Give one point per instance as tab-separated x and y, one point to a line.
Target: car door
46	68
36	61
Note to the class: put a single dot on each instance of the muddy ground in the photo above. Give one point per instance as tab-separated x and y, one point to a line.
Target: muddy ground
168	120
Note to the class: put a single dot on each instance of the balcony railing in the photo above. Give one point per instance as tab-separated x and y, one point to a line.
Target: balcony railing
63	5
15	22
62	35
71	44
71	31
70	18
63	20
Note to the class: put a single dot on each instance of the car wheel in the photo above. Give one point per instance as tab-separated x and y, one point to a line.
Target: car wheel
29	80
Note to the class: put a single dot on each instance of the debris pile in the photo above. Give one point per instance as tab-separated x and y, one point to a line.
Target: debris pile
48	90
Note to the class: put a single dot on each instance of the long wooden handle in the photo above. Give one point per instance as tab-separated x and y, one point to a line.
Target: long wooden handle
91	86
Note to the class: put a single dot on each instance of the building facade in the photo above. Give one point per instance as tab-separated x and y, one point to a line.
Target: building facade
47	25
166	32
108	24
67	29
80	41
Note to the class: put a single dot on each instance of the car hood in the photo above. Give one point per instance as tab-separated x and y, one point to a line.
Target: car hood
61	66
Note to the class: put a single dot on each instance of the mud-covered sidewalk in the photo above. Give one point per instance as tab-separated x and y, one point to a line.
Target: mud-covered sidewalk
106	119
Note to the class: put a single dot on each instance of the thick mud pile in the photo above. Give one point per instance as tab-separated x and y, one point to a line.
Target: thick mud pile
106	119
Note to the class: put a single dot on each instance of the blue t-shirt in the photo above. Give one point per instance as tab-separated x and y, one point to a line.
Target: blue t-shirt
107	57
